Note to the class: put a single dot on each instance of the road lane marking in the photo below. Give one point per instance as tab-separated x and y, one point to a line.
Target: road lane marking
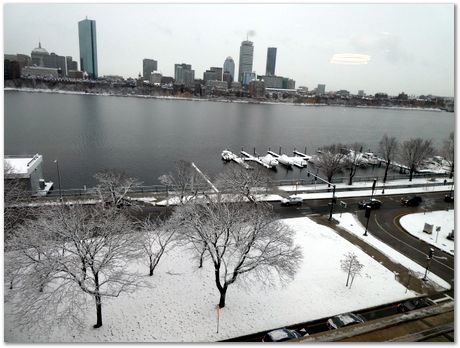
410	246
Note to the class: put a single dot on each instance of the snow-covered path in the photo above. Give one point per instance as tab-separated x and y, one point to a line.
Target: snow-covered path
180	304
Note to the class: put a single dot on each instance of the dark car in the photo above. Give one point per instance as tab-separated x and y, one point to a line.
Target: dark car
413	201
344	319
448	198
280	335
414	303
373	203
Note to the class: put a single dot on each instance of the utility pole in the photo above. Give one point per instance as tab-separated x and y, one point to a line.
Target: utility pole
428	261
59	178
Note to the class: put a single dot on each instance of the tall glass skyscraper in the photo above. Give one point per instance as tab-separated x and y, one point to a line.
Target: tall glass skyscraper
229	66
271	61
246	57
88	47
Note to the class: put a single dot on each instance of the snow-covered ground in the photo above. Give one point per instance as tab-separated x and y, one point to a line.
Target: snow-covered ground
179	306
349	222
414	223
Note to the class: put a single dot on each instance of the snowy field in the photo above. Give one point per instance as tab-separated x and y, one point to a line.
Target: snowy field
414	223
352	225
179	305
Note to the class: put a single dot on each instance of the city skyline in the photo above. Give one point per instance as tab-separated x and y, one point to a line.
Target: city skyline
392	48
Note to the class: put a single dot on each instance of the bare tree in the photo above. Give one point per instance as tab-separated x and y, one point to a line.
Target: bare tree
16	199
448	150
240	239
185	180
351	265
413	152
113	187
156	238
330	160
70	255
388	147
353	160
244	182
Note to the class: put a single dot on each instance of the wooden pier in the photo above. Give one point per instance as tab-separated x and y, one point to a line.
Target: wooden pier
294	160
255	159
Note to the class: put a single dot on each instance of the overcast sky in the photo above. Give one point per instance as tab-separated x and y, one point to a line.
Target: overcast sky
390	47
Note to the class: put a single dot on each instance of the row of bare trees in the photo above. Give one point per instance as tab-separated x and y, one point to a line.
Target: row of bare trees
70	255
412	153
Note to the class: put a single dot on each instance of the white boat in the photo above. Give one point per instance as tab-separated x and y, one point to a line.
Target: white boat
227	155
270	160
283	159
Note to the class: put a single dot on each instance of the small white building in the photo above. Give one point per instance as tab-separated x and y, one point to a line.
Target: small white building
28	170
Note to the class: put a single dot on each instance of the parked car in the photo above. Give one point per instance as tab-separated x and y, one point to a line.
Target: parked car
448	198
414	303
345	319
374	203
413	201
280	335
292	200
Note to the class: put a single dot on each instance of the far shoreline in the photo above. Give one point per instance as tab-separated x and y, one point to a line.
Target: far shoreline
241	101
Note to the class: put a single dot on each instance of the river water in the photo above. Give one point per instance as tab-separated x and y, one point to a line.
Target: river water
144	136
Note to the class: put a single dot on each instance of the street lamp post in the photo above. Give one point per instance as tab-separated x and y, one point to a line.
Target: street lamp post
332	202
59	178
373	188
428	261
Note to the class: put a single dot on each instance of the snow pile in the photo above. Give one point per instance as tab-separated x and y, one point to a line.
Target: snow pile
414	223
179	305
352	225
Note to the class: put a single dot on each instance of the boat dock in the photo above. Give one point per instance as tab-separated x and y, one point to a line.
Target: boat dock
255	159
227	155
288	161
303	155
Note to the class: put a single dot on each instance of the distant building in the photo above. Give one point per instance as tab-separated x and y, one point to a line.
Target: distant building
71	64
246	58
184	75
88	47
148	67
361	93
166	80
75	74
236	86
302	90
271	81
209	75
38	55
213	86
228	78
54	61
271	61
247	77
39	71
155	78
11	69
229	66
321	89
256	89
218	72
342	93
22	59
288	83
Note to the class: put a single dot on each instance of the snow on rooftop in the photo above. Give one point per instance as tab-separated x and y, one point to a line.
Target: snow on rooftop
21	165
168	311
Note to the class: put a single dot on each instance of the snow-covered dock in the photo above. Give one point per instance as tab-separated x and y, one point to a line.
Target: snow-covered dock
227	155
256	159
289	161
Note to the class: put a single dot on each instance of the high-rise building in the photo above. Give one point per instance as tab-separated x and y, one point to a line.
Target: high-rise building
71	64
248	77
148	67
271	61
38	54
288	83
88	47
184	75
246	58
218	72
321	89
54	61
229	66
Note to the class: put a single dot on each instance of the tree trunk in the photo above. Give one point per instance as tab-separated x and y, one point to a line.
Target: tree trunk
223	292
151	271
350	180
411	172
352	278
98	311
348	277
386	172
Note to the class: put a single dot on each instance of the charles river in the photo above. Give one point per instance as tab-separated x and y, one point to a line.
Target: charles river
144	136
